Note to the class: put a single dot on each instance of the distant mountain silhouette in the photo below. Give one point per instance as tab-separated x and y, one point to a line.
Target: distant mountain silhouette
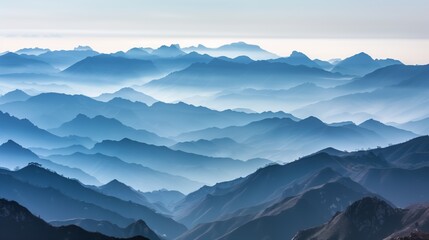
133	53
257	99
73	189
296	59
372	219
128	93
166	198
13	96
239	59
390	133
94	128
13	63
62	59
387	103
210	170
60	151
219	147
139	176
388	76
234	50
284	139
27	134
362	64
219	74
16	222
168	51
32	51
107	66
49	110
419	126
14	156
326	65
118	189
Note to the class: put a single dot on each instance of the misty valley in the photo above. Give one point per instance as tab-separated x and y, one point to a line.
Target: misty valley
226	143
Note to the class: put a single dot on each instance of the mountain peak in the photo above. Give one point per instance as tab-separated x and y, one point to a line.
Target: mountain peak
361	57
372	122
115	183
82	48
10	144
81	116
370	208
13	96
312	120
296	54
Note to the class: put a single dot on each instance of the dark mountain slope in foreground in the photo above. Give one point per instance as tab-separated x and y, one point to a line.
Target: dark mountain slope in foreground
286	217
73	189
17	223
138	228
371	219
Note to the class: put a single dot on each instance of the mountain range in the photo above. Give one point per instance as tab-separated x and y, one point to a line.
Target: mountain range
121	212
275	138
50	110
93	128
362	64
219	74
107	66
233	50
232	142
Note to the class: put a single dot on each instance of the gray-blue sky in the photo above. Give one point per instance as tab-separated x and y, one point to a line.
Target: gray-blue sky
333	19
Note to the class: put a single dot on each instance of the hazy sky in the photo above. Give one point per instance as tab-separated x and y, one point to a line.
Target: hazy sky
110	25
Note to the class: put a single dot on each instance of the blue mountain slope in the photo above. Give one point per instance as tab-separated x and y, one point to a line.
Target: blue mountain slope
112	67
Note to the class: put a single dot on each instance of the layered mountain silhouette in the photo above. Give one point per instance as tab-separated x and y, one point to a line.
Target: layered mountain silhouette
11	63
16	222
233	50
137	175
95	127
362	64
419	126
296	59
50	110
107	66
276	138
267	184
14	156
27	134
280	221
168	51
392	100
13	96
389	76
390	133
257	99
128	93
32	51
63	59
222	157
73	189
218	147
210	169
219	74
